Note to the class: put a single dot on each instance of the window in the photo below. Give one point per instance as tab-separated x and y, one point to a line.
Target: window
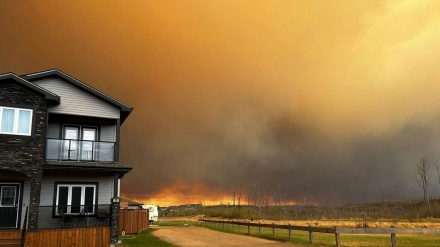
15	121
79	142
75	198
7	196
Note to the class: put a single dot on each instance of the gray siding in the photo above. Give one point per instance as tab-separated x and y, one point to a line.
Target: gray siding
104	193
75	101
53	130
108	133
26	196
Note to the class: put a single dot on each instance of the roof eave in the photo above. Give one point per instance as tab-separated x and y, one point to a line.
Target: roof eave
49	96
122	170
125	109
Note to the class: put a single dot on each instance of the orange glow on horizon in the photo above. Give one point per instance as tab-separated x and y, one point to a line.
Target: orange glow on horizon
180	193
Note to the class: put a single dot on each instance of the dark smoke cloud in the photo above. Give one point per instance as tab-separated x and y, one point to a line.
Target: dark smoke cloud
281	153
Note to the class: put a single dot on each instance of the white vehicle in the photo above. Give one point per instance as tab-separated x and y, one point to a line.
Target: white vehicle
153	211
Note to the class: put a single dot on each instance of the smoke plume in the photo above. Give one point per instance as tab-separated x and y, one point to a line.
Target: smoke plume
318	99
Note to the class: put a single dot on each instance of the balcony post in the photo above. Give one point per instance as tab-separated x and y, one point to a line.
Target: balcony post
118	139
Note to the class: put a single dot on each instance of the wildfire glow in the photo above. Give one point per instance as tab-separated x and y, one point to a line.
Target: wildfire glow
197	193
183	193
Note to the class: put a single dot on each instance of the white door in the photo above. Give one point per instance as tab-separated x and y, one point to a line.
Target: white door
88	143
71	136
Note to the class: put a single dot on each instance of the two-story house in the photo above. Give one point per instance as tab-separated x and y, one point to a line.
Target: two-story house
59	150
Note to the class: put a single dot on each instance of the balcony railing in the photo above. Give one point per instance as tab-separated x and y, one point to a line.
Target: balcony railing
62	149
68	216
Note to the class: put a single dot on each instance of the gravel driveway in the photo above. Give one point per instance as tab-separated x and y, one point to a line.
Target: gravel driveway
192	236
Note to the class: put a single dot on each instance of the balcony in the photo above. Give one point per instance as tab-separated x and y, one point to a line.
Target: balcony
63	149
68	216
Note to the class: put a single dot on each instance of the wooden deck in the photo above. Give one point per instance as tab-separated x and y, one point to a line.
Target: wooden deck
10	238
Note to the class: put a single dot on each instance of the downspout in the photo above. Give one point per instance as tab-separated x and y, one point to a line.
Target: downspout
116	185
45	136
118	139
119	187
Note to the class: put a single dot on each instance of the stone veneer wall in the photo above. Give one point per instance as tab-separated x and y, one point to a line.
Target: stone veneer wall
114	221
25	154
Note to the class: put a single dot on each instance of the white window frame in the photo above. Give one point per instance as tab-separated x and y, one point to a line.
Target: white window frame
16	120
69	197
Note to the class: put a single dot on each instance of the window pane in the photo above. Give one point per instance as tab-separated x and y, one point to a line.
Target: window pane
8	120
24	122
89	134
76	199
8	196
62	198
73	149
88	200
71	133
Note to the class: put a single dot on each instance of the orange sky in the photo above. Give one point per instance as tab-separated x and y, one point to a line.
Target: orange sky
225	91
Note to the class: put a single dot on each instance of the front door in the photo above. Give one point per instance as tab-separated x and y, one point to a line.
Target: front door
9	205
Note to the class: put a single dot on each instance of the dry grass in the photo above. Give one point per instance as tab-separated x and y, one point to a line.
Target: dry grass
370	224
376	240
349	223
194	218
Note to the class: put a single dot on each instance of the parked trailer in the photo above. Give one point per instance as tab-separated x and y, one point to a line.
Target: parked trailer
153	211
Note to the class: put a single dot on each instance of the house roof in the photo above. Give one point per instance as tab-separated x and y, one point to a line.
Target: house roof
125	109
74	165
49	96
130	202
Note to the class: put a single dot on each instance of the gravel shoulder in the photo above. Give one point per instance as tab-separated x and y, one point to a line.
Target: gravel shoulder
192	236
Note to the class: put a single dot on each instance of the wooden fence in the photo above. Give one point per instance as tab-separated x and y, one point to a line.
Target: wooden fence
133	221
76	237
336	231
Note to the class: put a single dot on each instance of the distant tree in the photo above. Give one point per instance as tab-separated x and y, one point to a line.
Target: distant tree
438	174
239	189
422	171
236	196
256	199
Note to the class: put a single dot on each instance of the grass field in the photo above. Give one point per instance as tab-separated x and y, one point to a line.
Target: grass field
146	239
348	240
408	210
143	239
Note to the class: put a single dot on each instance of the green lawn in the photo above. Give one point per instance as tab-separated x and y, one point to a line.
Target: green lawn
143	239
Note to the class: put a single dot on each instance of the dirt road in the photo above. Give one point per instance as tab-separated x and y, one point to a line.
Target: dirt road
191	236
